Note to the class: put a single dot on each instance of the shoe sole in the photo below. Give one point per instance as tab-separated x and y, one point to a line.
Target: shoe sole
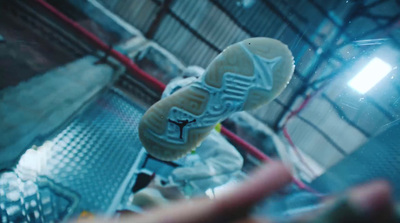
244	76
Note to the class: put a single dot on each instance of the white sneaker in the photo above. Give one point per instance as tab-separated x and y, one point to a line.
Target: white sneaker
244	76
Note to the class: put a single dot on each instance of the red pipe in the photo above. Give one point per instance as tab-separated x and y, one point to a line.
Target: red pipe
248	147
133	68
153	82
259	155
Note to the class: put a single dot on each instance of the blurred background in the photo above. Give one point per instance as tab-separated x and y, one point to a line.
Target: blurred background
70	107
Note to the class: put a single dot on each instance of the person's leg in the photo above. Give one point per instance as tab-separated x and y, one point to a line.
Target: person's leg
216	158
244	76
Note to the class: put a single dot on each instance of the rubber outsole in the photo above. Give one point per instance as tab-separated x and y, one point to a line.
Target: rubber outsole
244	76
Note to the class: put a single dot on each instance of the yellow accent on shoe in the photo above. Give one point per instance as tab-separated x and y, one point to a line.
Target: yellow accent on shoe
218	127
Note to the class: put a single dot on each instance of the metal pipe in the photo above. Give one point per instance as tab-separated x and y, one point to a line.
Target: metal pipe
240	142
132	67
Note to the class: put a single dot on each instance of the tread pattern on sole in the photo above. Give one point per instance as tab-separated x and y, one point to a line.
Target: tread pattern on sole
256	98
193	101
242	77
237	62
168	151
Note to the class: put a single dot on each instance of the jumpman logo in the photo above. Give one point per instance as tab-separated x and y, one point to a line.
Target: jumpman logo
181	124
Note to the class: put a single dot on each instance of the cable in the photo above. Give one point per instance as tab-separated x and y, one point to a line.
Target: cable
289	139
291	115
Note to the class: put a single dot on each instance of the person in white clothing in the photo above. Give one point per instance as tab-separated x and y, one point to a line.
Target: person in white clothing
215	161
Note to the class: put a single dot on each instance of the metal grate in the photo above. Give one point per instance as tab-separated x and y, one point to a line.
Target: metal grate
94	157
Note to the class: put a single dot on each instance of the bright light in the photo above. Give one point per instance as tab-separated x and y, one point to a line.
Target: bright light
368	77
